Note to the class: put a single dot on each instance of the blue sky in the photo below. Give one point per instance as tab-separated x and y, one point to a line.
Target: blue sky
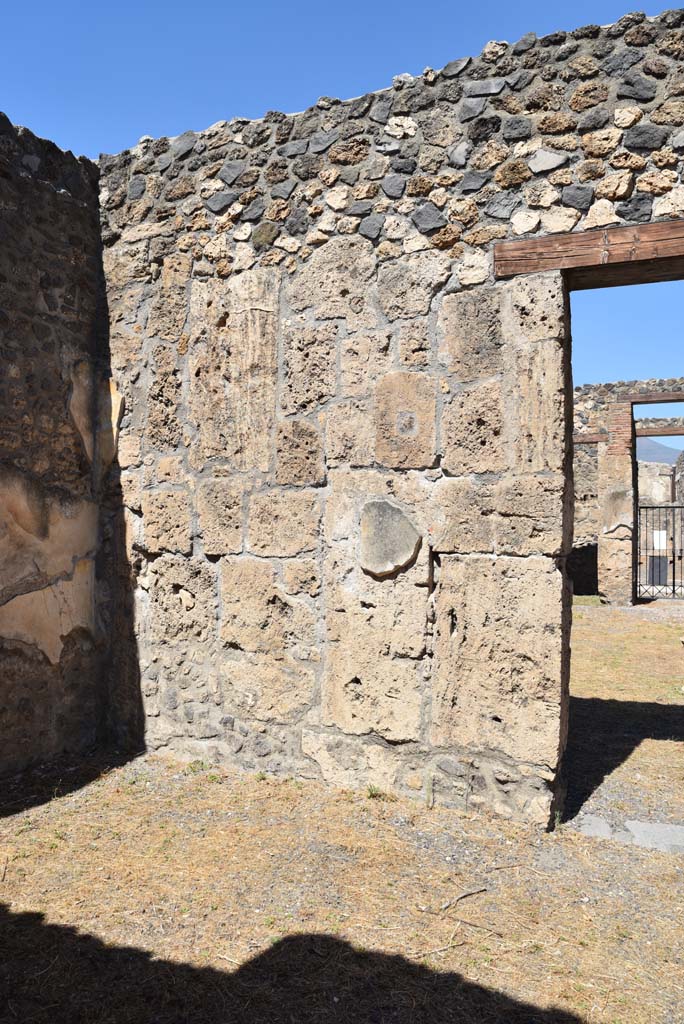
630	334
94	77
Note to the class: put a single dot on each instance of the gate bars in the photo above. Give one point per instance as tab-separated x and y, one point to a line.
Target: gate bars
661	545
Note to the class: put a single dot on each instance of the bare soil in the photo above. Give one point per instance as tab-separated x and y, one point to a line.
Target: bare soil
167	893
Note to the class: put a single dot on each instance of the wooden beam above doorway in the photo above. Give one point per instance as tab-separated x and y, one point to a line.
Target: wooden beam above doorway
600	258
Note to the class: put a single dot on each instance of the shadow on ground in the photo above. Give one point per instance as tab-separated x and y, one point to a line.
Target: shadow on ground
52	973
46	782
603	734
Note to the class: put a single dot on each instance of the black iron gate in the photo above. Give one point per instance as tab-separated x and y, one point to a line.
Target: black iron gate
661	545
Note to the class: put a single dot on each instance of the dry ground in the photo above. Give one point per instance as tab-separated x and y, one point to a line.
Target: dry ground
165	893
626	753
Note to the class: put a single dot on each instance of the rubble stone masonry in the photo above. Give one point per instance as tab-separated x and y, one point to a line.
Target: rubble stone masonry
335	534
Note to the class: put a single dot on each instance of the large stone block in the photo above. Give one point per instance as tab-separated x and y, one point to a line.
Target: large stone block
405	420
233	372
336	278
534	307
258	616
350	762
219	508
531	514
310	354
182	596
164	427
350	434
284	523
266	688
166	521
464	517
472	427
470	325
500	658
299	453
376	629
169	310
364	357
406	287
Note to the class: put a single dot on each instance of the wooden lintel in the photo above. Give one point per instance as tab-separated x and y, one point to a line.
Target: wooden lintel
652	397
588	438
658	248
659	431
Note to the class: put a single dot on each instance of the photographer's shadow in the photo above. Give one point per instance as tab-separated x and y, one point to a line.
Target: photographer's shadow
51	973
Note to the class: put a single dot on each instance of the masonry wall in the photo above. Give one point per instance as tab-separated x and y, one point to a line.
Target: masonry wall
344	460
50	341
607	478
679	480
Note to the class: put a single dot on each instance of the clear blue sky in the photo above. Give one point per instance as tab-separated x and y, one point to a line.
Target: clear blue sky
94	77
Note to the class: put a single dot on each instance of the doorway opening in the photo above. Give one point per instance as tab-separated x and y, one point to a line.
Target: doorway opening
626	723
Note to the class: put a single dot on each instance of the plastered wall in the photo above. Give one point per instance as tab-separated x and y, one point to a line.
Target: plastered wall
50	299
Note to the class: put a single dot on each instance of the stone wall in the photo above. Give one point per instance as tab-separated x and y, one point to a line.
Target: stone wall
50	341
593	402
656	483
603	556
334	538
345	458
679	480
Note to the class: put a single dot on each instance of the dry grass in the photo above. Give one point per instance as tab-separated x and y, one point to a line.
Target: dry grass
166	893
628	685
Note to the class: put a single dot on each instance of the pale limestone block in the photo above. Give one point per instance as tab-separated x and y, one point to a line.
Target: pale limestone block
601	212
405	420
559	219
350	434
525	222
671	205
283	523
299	453
219	508
406	288
471	333
233	371
499	657
472	425
166	521
473	268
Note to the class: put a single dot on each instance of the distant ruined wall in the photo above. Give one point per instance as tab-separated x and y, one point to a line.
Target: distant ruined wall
679	480
656	480
592	408
49	280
